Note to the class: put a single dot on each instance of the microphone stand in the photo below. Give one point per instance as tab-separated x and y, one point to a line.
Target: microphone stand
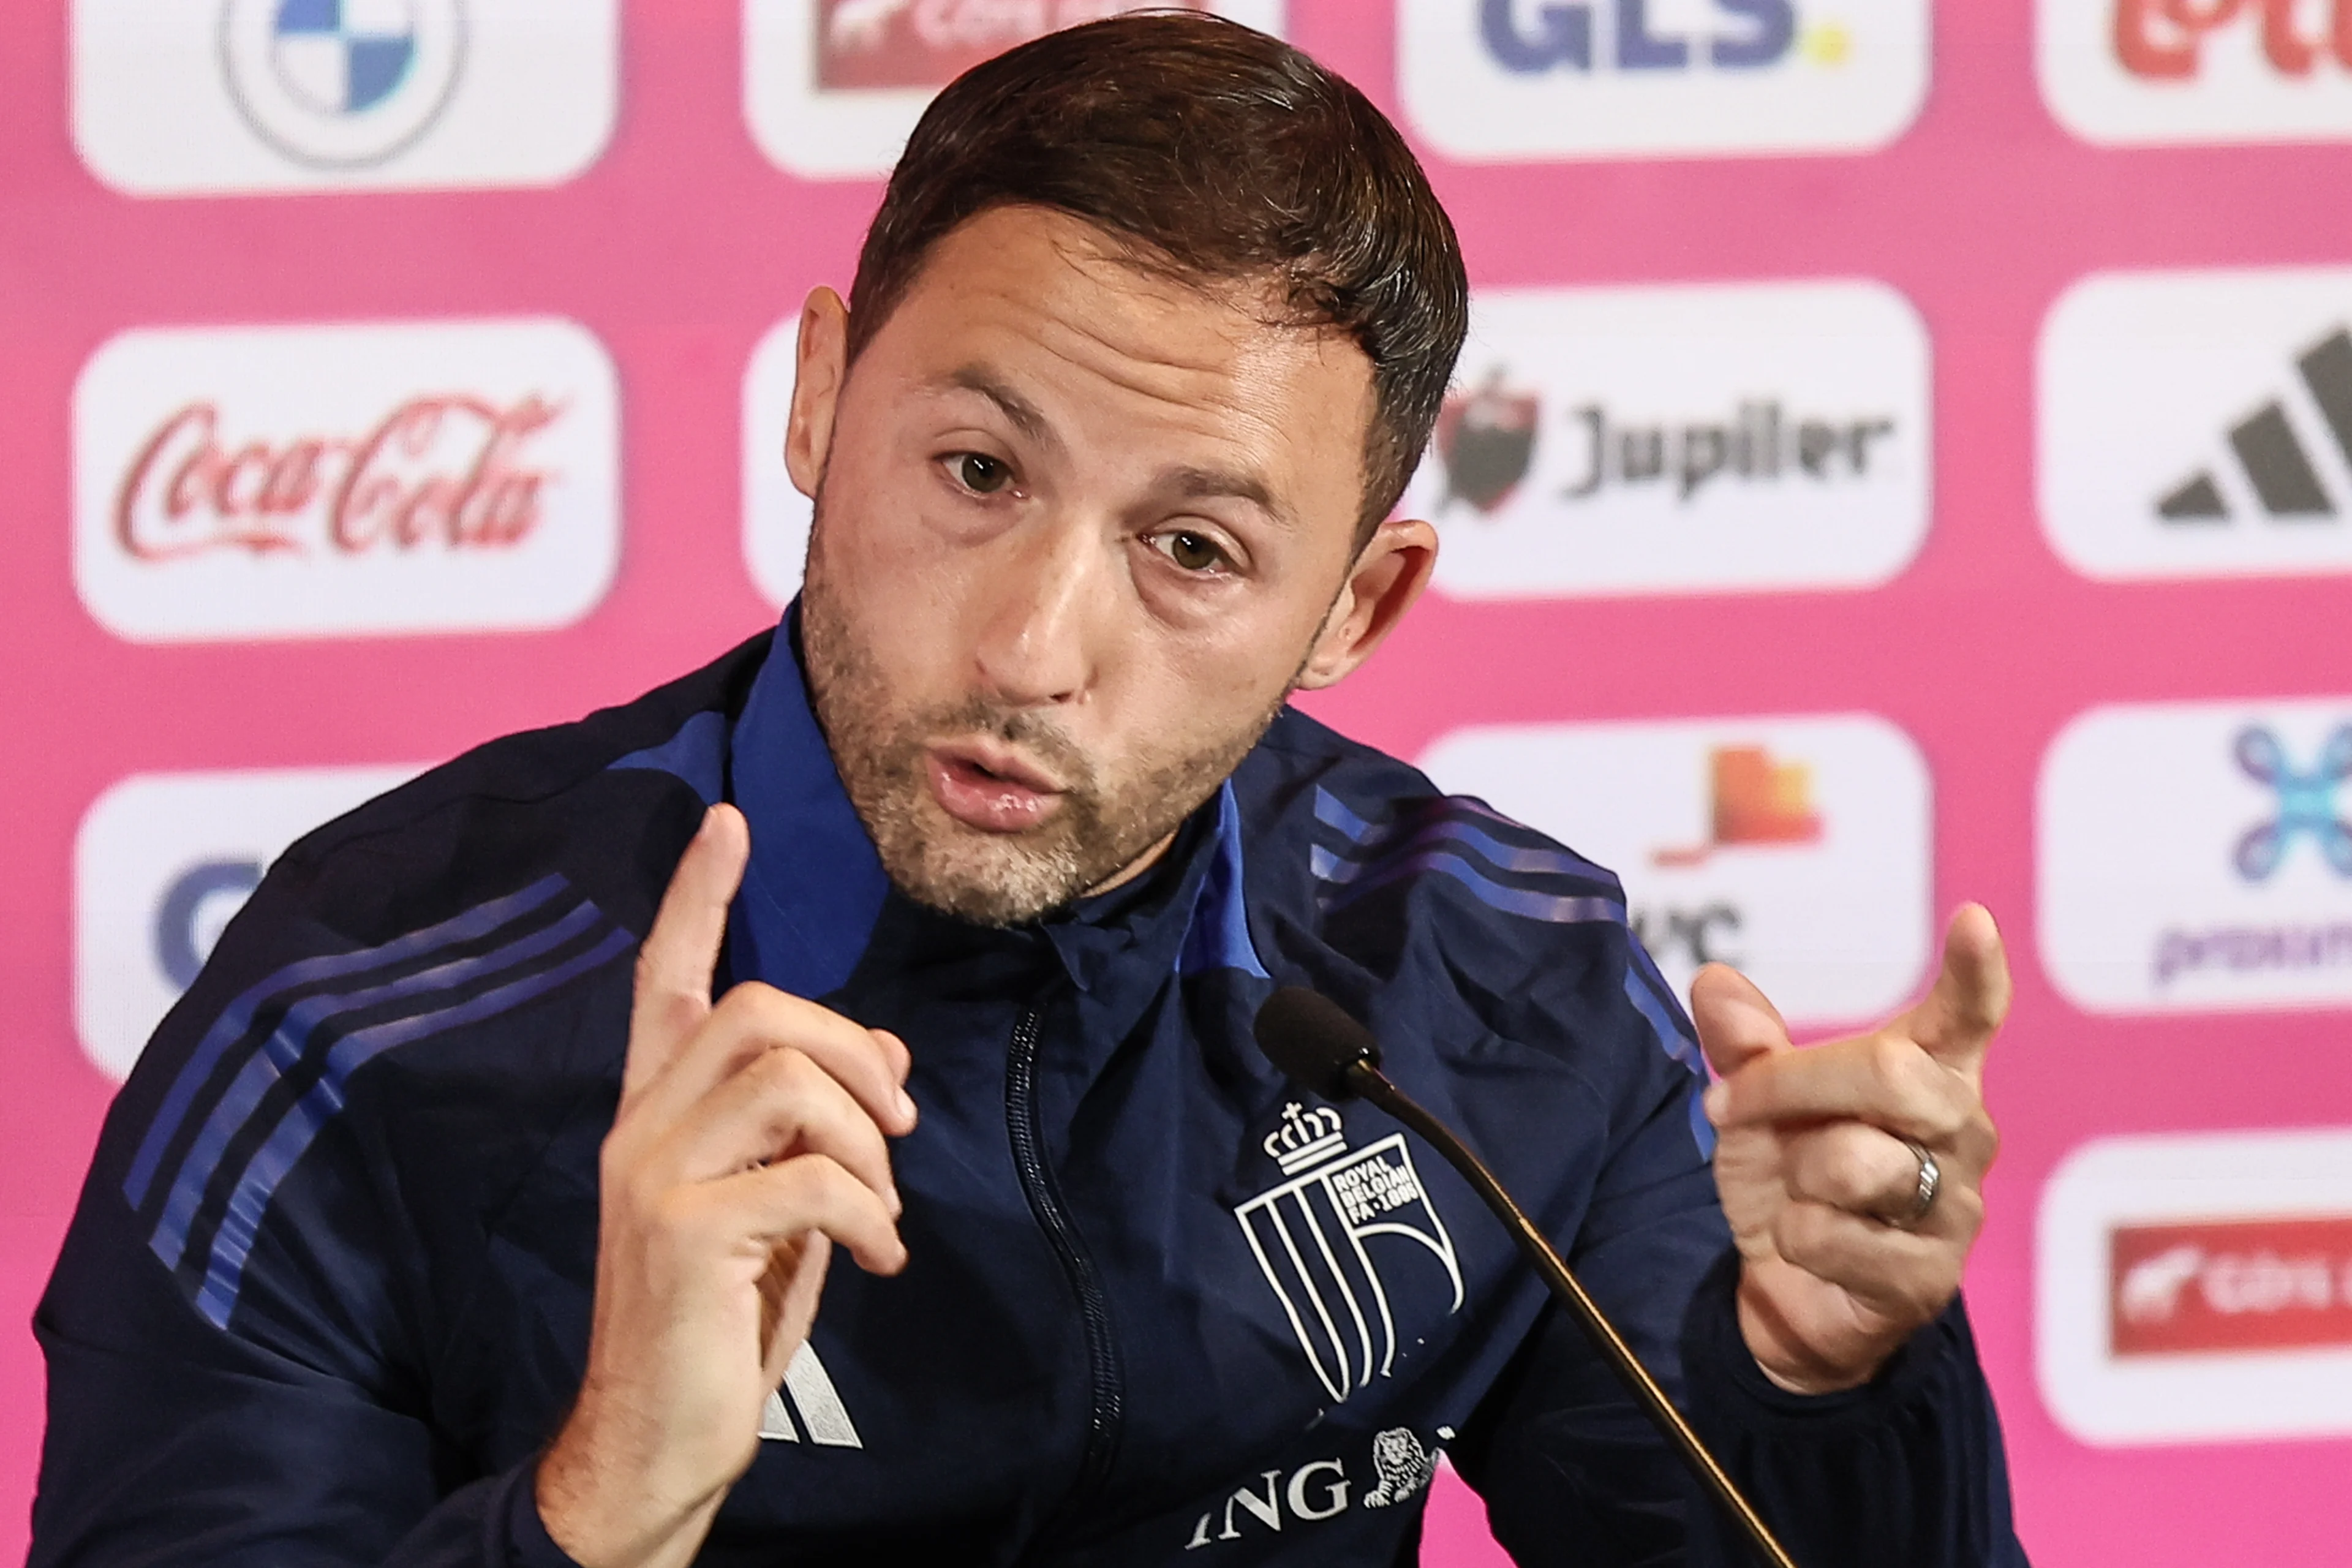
1370	1083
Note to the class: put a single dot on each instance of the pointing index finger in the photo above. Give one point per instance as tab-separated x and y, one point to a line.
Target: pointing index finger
680	952
1955	1023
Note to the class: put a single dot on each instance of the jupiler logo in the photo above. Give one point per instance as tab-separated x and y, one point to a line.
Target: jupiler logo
341	84
1310	1234
1758	443
1485	439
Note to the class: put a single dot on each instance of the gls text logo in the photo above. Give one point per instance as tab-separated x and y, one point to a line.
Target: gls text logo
1594	79
161	863
1755	33
208	96
2124	72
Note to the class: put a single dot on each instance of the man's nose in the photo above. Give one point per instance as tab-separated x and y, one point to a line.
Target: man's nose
1044	589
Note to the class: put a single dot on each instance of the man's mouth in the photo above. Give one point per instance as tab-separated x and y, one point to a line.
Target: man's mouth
990	787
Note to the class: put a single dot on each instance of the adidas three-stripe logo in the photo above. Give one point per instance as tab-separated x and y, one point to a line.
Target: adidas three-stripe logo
1456	837
1477	848
2272	457
808	1392
273	1070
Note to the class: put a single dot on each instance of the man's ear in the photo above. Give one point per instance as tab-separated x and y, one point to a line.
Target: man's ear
821	366
1389	574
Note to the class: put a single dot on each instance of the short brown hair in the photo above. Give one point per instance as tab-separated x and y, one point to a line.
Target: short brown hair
1220	153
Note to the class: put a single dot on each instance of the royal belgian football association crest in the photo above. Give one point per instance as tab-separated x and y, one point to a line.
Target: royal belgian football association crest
1318	1233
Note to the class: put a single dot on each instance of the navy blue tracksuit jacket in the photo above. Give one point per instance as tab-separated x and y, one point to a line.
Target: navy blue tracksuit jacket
326	1293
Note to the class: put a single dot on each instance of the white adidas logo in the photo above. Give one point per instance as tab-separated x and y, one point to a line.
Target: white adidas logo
809	1395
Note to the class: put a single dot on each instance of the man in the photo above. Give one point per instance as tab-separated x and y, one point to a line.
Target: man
433	1230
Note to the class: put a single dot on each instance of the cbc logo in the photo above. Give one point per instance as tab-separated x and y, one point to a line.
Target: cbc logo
162	864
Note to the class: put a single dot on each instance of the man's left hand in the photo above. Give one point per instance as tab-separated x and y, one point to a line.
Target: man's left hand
1837	1267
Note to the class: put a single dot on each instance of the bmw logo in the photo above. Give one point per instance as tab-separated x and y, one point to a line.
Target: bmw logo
341	84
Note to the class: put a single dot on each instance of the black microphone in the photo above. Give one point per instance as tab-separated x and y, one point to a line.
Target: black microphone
1314	1041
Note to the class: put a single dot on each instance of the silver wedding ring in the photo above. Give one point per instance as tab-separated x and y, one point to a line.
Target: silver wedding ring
1931	1181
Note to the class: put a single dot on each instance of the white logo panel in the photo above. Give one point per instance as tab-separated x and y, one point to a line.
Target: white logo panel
1736	437
2151	72
776	516
218	97
831	88
1510	79
344	480
1797	850
2196	856
161	863
2199	424
2257	1241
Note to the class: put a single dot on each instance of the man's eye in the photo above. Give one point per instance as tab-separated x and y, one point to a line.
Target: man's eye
981	474
1193	551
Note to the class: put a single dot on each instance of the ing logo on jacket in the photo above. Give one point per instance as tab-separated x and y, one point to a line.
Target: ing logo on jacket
1310	1232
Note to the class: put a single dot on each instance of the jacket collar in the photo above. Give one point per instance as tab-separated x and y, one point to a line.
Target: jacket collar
815	890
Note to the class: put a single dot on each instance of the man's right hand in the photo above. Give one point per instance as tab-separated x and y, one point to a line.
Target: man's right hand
749	1138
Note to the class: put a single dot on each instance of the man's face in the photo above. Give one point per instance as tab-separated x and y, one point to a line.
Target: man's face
1079	527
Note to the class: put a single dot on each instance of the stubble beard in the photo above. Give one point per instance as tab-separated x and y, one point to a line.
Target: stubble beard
991	878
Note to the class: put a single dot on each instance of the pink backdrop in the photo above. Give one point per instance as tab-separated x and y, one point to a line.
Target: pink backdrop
681	245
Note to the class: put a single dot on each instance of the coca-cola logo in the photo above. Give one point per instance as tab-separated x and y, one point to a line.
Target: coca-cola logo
346	479
2232	1285
929	43
450	471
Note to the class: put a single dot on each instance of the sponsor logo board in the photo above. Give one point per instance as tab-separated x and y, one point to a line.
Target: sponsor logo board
161	863
2199	425
1797	850
1506	79
831	88
776	516
1714	439
2197	1287
2196	856
219	96
296	481
2141	72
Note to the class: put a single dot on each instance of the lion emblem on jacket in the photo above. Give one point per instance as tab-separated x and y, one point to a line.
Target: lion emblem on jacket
1400	1467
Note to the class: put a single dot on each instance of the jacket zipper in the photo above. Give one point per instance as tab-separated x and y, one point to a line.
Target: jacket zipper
1023	1121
